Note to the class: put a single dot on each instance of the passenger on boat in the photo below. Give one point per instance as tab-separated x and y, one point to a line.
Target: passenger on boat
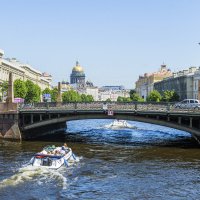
64	147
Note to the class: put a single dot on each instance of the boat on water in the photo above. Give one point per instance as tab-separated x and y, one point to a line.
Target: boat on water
119	124
52	157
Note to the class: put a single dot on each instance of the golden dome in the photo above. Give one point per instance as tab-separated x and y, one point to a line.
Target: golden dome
77	68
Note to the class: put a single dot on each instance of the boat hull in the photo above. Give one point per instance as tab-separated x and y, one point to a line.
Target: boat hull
50	161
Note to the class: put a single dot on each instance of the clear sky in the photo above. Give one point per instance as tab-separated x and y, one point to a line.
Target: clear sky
114	40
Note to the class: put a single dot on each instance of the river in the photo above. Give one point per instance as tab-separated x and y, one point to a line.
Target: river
143	162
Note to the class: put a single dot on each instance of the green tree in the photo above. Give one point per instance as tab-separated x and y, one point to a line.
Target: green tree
90	98
108	100
46	91
20	89
120	99
37	97
132	92
136	97
170	95
84	98
71	96
33	92
3	88
154	96
54	94
175	97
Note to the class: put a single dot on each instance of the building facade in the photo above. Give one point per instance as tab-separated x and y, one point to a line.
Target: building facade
112	93
145	83
196	84
23	72
181	82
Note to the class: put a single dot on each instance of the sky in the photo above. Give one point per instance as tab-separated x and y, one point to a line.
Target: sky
115	41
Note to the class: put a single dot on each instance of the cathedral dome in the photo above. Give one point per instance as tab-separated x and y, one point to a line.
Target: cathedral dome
77	75
77	68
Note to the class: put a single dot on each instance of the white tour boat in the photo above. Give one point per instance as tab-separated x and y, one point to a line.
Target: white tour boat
119	124
52	157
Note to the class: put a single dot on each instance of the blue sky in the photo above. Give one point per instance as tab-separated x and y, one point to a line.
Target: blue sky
114	40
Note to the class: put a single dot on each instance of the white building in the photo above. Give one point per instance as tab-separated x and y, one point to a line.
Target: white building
23	72
196	84
112	94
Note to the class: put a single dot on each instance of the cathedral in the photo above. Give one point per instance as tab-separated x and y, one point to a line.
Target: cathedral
77	76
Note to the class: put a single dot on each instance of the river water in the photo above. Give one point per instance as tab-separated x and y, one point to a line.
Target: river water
143	162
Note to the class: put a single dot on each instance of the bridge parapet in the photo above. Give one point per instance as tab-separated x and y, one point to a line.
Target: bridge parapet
132	106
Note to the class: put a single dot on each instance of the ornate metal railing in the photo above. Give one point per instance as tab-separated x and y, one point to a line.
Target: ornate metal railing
133	106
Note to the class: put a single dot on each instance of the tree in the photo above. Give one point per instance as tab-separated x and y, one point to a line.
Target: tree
154	96
136	97
108	100
120	99
37	97
90	98
46	91
20	89
83	98
132	92
175	97
170	95
33	92
3	88
71	96
54	94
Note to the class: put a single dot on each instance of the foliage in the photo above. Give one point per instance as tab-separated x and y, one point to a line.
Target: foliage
71	96
108	100
33	92
170	95
3	88
38	92
90	98
20	89
54	94
124	99
136	97
46	91
154	96
132	92
86	98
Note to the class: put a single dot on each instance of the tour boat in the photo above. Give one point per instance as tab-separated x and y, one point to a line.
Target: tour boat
52	157
119	124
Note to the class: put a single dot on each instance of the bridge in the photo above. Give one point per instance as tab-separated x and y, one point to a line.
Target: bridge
35	120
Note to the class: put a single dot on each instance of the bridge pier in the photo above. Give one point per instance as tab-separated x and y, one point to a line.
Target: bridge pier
9	128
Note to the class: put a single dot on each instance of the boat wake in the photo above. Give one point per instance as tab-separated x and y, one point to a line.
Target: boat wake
119	124
29	173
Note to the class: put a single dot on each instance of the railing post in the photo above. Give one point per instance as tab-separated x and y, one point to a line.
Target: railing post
191	122
135	105
179	120
31	118
168	106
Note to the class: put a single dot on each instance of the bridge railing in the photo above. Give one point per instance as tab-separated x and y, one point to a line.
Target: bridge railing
132	106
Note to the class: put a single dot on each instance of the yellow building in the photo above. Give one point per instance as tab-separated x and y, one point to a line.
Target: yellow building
145	84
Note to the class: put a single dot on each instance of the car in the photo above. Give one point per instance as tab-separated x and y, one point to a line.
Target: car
188	104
